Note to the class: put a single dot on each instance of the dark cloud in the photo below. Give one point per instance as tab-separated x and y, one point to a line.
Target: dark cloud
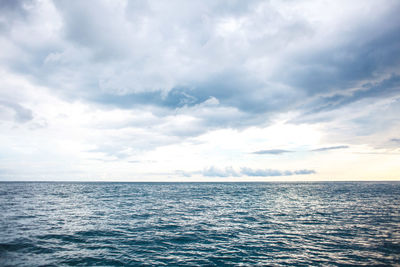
364	65
21	114
386	88
329	148
373	48
272	151
240	90
301	172
396	140
147	55
13	10
176	98
14	6
230	88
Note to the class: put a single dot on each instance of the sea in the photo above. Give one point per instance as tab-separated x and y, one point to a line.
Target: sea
200	224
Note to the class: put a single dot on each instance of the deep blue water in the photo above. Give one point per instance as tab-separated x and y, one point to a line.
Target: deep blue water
208	224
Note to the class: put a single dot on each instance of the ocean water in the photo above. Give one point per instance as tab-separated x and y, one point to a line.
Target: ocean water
199	224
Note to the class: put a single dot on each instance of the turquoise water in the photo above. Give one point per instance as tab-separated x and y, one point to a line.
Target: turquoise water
207	224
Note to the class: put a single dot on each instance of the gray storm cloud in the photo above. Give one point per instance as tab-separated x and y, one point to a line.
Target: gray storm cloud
150	55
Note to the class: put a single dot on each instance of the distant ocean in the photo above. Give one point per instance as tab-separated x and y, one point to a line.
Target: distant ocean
206	224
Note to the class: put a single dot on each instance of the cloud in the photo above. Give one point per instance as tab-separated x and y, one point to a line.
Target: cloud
263	172
245	171
329	148
380	89
12	11
272	151
215	172
21	114
281	151
183	173
302	172
134	77
269	172
151	58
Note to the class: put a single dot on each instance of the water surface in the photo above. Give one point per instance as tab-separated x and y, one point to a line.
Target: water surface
199	224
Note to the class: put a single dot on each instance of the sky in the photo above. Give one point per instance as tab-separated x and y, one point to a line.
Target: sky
199	90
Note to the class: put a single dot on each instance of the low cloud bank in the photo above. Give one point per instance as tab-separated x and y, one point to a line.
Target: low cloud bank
245	171
272	151
329	148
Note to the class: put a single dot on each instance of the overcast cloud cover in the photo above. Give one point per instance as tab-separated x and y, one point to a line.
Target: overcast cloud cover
159	90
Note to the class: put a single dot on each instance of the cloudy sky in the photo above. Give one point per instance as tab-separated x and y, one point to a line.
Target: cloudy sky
199	90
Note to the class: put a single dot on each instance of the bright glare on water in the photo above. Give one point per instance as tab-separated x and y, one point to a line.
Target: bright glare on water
207	224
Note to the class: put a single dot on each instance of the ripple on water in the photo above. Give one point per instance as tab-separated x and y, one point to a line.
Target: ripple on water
119	224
